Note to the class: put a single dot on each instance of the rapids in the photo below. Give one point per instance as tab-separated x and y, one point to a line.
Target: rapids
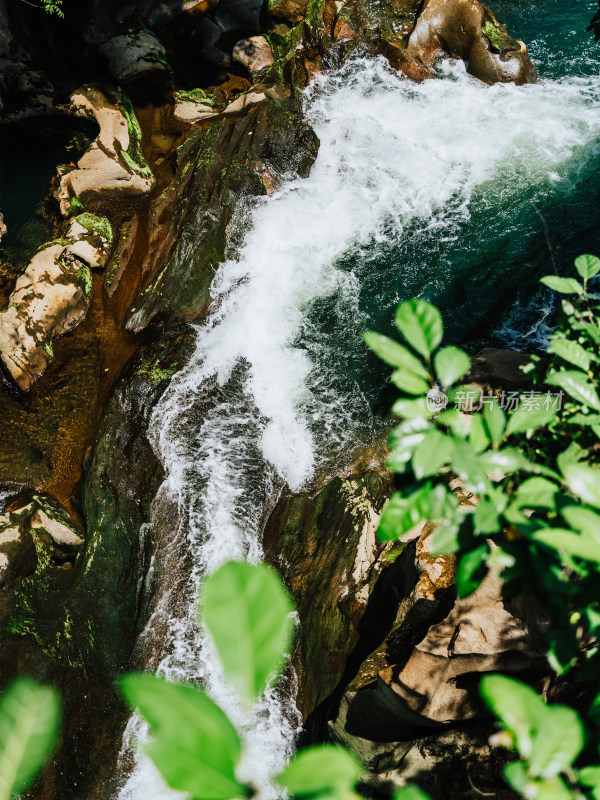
437	189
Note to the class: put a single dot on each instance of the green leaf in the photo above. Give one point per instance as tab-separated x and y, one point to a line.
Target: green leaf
583	520
589	776
410	793
471	570
536	493
194	745
459	423
558	743
562	285
529	419
431	454
451	364
412	409
401	514
495	420
570	351
478	434
394	353
486	518
587	266
247	611
410	382
519	708
421	325
575	544
323	769
583	481
29	720
577	386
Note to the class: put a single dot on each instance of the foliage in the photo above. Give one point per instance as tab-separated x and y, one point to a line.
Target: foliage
29	718
535	519
248	614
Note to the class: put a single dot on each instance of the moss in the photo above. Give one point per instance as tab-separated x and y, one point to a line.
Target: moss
97	226
115	262
64	242
85	276
75	206
498	37
196	96
133	156
48	349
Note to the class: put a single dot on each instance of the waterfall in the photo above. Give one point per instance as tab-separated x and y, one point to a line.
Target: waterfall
267	397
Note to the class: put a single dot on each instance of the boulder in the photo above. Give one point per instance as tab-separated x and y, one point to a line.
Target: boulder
327	551
133	54
51	297
254	54
113	165
468	30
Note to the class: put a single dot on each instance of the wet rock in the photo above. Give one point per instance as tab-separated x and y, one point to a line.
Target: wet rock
289	11
495	369
78	630
133	54
241	155
254	54
468	30
328	553
51	297
113	165
39	543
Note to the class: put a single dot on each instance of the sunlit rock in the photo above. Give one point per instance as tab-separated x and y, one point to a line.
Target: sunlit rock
468	30
51	297
254	54
114	164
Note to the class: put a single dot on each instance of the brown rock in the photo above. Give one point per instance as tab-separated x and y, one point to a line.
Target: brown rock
112	166
468	30
254	54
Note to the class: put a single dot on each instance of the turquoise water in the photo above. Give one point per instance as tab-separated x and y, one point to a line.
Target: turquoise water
482	265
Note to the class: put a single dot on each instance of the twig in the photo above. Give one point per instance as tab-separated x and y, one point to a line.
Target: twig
475	789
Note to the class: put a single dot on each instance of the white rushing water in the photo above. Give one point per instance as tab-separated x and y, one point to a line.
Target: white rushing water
260	400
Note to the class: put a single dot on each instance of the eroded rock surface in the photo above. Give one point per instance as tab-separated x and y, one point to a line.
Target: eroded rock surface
51	297
113	165
468	30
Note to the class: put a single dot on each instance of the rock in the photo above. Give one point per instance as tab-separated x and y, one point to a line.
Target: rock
166	14
133	54
290	11
495	369
39	541
188	111
113	165
425	676
468	30
3	228
51	297
327	552
239	156
254	54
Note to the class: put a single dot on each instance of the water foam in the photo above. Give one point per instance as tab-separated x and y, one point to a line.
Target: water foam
262	399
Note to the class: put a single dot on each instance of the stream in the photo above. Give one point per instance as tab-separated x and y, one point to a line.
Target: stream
451	190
